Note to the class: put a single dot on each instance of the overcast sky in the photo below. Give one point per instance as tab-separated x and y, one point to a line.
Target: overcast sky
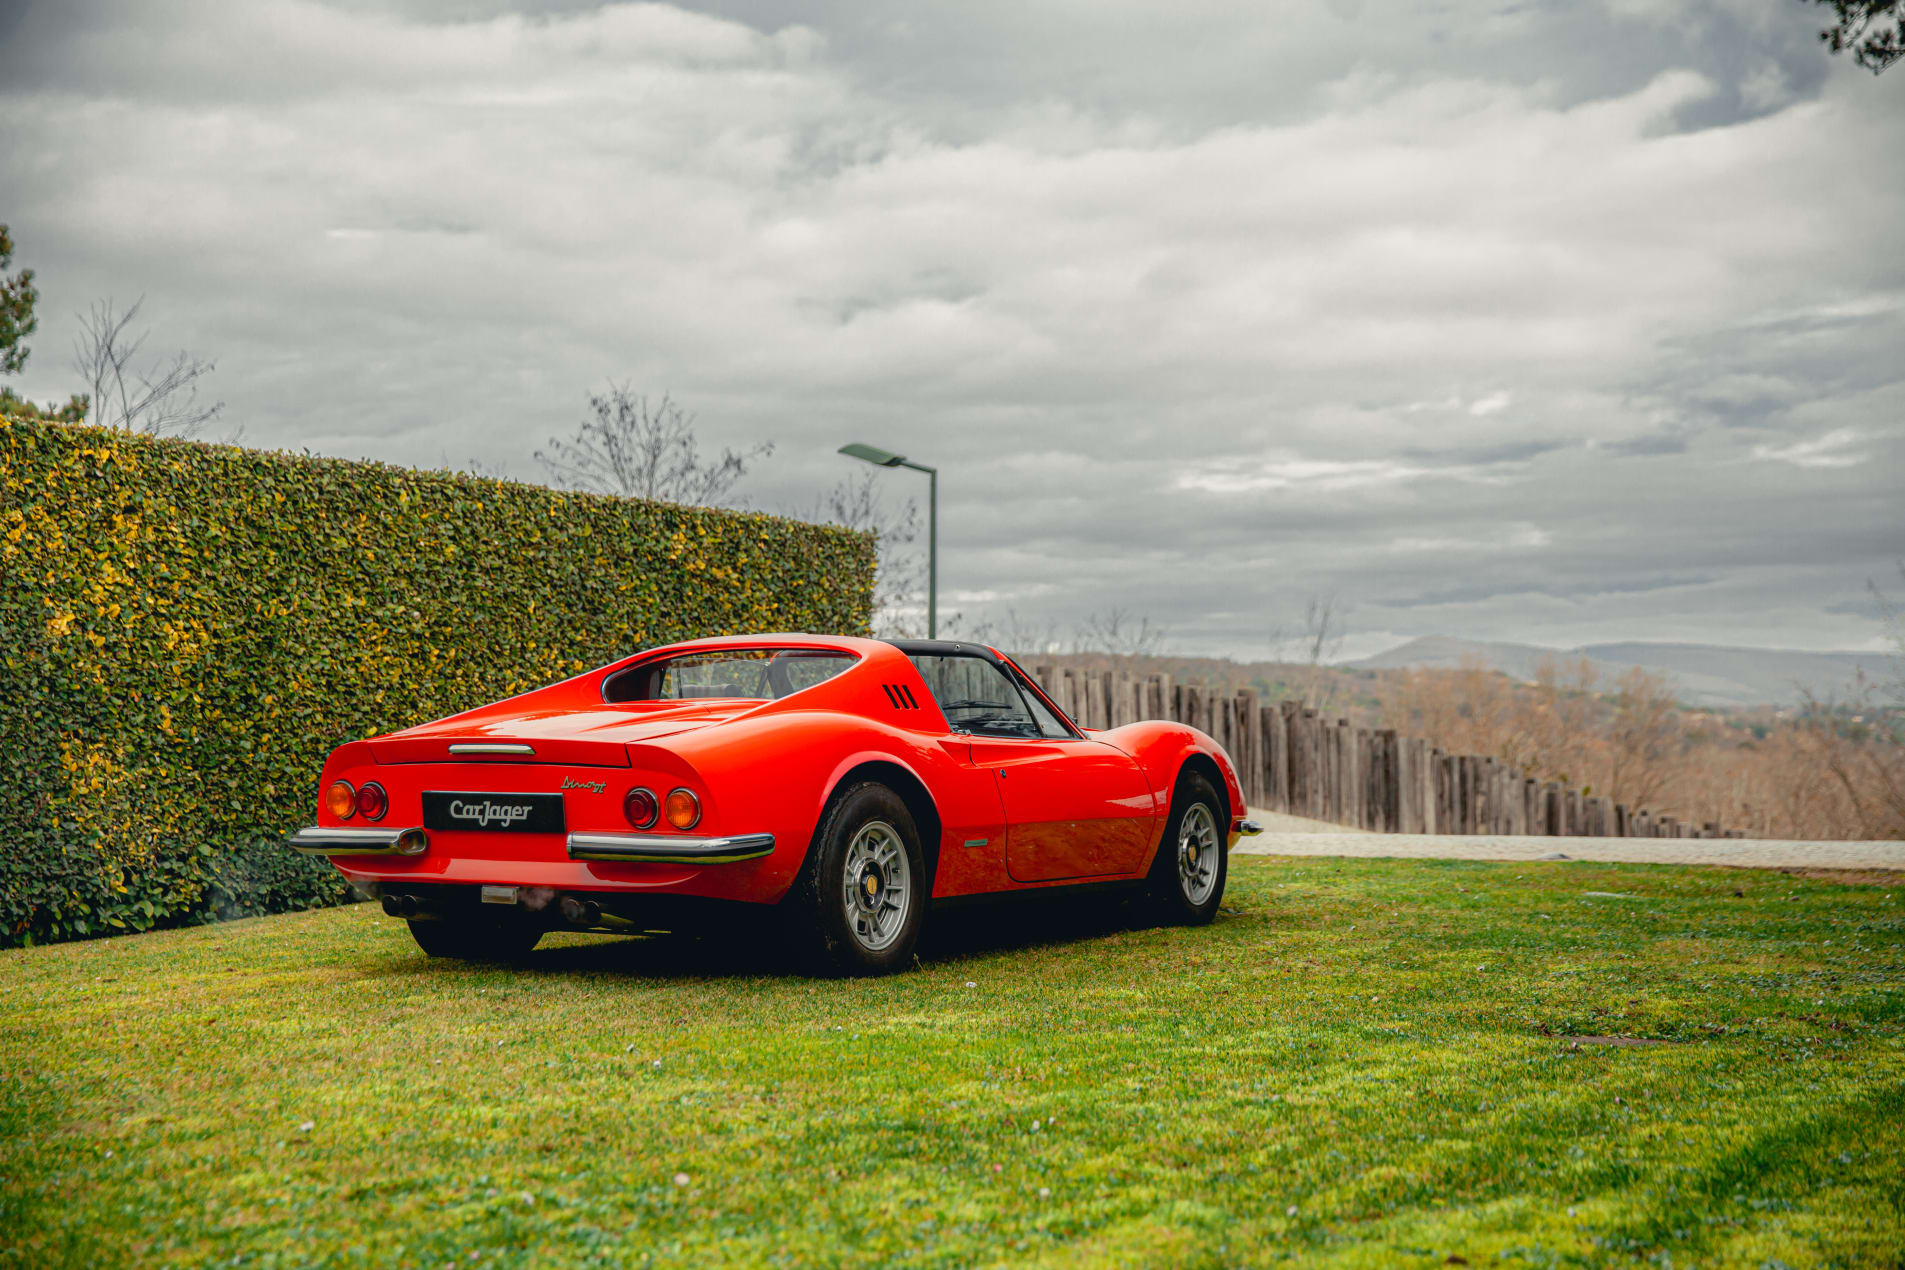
1556	322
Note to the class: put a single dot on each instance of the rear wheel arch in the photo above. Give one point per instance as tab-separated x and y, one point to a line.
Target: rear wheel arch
1206	766
912	792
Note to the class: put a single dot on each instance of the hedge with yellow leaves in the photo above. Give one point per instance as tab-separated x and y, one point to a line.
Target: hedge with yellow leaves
187	630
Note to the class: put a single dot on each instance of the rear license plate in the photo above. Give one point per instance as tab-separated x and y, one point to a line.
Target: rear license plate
493	813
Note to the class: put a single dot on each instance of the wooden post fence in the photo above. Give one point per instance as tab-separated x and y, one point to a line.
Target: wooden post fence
1292	759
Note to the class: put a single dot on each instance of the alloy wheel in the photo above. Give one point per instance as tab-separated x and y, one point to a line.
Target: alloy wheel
876	885
1197	854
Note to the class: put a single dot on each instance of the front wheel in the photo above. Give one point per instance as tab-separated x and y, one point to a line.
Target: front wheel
1187	878
857	905
476	937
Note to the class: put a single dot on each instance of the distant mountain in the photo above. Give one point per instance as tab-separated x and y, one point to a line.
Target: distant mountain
1702	674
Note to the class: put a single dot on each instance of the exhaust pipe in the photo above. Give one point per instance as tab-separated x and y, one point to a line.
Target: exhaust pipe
581	912
400	905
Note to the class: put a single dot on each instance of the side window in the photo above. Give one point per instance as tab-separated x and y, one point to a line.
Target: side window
801	668
976	696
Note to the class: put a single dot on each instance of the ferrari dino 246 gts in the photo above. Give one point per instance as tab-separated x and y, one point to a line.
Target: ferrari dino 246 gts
842	784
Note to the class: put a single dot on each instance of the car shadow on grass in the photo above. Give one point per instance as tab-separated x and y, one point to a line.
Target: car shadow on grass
951	935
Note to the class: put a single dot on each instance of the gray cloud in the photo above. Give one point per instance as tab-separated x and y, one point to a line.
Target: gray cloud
1562	323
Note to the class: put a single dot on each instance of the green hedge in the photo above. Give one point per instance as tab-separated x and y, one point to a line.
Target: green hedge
187	630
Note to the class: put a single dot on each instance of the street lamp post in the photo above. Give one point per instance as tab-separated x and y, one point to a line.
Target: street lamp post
886	458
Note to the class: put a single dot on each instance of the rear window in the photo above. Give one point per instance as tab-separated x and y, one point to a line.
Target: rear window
751	674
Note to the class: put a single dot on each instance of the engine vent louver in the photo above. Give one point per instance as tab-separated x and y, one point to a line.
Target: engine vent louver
900	696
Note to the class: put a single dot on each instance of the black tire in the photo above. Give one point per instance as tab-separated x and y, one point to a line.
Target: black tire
877	935
502	939
1175	898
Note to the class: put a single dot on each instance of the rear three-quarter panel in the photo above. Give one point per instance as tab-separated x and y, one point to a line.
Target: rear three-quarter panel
1164	750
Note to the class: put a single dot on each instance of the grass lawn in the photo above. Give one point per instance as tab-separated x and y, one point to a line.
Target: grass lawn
1363	1063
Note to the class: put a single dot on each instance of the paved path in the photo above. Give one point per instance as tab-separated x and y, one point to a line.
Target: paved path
1292	835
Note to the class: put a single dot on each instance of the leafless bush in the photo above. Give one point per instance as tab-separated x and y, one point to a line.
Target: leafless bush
1865	771
1831	772
1809	778
1470	710
1856	748
1642	738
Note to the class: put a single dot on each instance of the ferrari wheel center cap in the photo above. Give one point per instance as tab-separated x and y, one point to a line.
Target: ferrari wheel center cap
870	886
1190	855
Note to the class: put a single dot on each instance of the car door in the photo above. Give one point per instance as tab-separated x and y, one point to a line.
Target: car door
1074	807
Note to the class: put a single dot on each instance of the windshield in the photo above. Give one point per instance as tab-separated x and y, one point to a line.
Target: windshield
756	674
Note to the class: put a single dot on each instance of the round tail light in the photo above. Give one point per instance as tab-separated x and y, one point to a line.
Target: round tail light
372	801
684	809
640	807
341	800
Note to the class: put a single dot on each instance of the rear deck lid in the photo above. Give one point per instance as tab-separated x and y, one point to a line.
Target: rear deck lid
594	737
492	749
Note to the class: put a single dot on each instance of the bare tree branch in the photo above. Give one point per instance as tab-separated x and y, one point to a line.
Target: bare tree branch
900	587
629	448
1027	637
159	400
1317	646
1894	618
1118	632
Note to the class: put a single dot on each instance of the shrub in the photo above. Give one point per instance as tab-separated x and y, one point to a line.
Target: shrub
187	630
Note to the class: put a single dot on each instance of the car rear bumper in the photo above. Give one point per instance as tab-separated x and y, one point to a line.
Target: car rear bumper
651	848
753	868
315	840
670	848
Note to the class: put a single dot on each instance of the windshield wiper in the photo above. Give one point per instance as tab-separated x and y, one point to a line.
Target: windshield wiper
1002	723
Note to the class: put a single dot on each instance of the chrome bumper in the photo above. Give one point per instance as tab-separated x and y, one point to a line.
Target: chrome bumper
313	840
1249	828
669	848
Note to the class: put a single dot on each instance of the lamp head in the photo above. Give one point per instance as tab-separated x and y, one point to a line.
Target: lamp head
873	454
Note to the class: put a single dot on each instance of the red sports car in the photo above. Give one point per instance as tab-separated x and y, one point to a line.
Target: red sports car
842	784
